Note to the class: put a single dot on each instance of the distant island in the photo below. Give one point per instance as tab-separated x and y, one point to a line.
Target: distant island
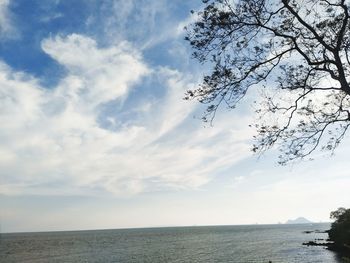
299	220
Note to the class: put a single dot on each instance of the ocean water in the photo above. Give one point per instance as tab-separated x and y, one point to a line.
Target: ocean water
254	243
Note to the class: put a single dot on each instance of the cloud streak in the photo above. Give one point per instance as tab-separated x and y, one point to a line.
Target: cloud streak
57	141
7	30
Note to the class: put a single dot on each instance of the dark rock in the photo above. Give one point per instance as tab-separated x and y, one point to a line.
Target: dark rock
321	231
308	232
313	243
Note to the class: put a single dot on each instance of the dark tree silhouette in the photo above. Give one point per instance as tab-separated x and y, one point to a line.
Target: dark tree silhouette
297	49
340	230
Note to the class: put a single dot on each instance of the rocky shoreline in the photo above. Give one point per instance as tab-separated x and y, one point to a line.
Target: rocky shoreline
343	250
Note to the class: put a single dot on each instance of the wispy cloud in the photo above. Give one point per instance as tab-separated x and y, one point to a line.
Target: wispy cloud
54	140
7	30
51	17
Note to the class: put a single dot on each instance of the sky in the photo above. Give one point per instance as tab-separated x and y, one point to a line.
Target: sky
95	133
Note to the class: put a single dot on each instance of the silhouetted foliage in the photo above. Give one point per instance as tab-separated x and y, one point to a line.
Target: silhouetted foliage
340	230
299	49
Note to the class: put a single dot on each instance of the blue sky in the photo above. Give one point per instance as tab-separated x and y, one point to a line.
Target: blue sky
96	134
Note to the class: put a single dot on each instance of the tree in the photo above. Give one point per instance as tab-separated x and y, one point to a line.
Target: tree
340	229
296	49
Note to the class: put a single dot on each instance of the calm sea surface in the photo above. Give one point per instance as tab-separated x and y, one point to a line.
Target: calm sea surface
255	243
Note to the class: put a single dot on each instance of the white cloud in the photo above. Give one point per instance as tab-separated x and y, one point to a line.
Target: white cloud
7	30
136	20
52	140
51	17
97	75
191	19
146	23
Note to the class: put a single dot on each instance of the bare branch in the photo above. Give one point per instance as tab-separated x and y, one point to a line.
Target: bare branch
300	48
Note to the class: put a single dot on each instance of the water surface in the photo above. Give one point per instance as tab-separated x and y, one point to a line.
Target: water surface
254	243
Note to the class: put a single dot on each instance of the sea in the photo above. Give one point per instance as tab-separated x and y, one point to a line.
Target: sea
246	243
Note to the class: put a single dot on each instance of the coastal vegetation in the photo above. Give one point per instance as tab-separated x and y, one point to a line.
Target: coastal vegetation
297	51
340	231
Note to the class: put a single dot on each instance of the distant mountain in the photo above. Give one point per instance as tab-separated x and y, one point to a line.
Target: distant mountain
299	220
